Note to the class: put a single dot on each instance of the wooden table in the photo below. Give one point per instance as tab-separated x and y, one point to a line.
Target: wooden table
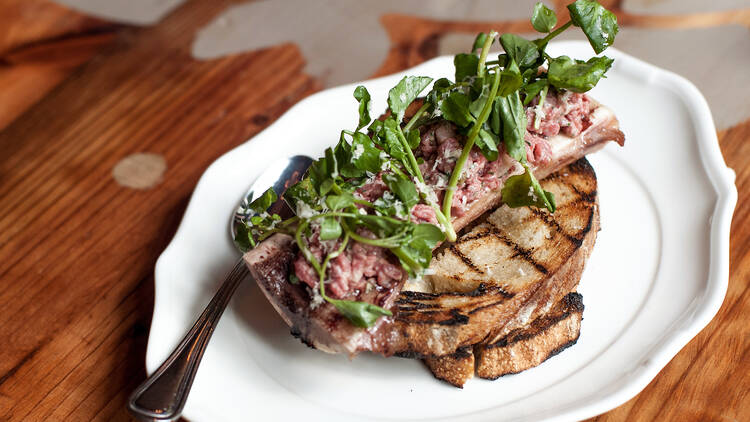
84	215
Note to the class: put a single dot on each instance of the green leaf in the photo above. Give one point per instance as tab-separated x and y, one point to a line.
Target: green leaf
494	121
514	121
363	97
329	228
413	138
264	201
390	205
404	93
487	143
337	202
360	314
476	106
478	43
258	221
391	142
598	23
524	52
510	79
543	19
427	235
301	191
455	107
322	170
386	227
577	75
524	190
418	250
403	188
326	186
439	88
376	130
533	89
364	155
242	239
466	66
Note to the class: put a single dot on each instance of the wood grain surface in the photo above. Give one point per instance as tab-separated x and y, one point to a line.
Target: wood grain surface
77	248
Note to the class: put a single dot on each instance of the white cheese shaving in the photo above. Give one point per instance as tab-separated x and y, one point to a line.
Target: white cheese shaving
427	191
358	151
316	300
532	194
539	112
304	210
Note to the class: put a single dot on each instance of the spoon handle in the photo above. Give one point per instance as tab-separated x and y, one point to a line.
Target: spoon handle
162	396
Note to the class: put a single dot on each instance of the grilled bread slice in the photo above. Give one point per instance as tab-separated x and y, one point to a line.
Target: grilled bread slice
518	351
505	272
526	348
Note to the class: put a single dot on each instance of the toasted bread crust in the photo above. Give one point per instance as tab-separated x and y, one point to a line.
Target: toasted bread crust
455	369
526	348
518	351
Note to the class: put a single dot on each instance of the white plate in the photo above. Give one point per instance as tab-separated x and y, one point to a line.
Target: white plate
657	276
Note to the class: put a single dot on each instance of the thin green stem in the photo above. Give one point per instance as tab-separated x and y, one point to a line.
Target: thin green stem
328	258
444	221
289	221
363	202
556	32
303	246
385	242
470	139
485	52
397	170
410	155
416	116
538	116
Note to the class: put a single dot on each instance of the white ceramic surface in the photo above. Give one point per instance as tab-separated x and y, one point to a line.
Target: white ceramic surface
657	276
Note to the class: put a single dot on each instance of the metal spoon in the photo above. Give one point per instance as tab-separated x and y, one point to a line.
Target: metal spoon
163	395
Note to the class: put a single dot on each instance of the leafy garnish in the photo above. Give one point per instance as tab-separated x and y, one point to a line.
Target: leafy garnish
598	23
329	229
577	75
543	19
513	116
363	97
466	65
455	108
365	155
405	92
361	314
403	188
524	52
523	190
257	220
